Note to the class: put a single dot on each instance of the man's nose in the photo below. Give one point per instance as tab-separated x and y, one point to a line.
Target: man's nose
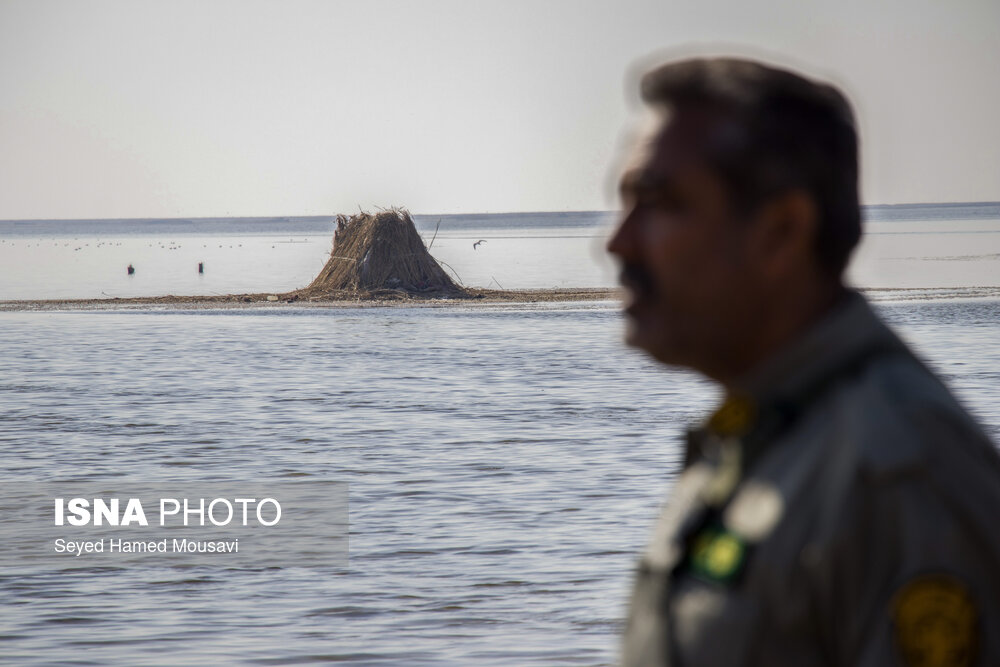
620	242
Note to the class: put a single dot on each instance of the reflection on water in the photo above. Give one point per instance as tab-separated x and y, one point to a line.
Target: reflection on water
960	253
504	465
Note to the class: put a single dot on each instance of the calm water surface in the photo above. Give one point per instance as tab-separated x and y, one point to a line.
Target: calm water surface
505	464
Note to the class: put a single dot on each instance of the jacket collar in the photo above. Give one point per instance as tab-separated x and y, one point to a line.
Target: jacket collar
848	334
848	331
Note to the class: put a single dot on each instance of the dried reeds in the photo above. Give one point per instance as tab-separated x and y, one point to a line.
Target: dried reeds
380	252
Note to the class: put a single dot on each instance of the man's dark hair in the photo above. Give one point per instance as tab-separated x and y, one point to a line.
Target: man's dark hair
792	133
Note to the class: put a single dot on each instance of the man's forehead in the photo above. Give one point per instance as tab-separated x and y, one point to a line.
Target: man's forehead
667	139
641	145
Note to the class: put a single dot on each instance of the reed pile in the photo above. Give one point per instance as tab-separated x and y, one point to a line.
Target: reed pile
375	254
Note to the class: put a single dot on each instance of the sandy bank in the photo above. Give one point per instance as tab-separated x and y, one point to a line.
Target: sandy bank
470	297
343	299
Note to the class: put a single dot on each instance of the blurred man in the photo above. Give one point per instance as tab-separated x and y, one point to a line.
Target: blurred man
839	508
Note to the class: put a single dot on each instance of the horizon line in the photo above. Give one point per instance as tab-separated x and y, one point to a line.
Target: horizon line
443	215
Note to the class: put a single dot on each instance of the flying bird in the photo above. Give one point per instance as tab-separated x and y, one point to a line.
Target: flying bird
476	244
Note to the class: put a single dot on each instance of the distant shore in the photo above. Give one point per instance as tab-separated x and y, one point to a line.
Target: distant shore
471	297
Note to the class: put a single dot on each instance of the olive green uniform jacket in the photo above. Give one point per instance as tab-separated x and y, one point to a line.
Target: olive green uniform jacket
846	512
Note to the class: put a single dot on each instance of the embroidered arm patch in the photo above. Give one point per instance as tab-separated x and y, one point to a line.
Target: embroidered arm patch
935	622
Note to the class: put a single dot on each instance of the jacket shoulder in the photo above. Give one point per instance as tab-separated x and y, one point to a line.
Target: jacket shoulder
897	416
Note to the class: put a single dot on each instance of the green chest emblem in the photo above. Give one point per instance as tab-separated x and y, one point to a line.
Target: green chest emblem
717	555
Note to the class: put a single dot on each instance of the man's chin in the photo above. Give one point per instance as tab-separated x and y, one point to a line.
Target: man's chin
639	334
633	337
649	338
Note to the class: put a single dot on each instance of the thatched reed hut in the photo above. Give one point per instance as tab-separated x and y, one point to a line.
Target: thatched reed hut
378	253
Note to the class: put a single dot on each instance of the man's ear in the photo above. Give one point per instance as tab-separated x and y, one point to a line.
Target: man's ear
784	235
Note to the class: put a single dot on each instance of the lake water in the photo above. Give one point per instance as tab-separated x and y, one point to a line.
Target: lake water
504	462
904	247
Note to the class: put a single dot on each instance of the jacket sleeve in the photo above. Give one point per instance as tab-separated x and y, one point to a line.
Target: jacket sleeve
908	574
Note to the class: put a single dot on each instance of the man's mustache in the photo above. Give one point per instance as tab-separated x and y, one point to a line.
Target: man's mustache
636	279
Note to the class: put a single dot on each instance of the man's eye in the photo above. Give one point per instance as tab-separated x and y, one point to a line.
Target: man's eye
663	201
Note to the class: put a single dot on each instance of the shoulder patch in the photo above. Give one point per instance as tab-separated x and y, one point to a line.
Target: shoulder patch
935	622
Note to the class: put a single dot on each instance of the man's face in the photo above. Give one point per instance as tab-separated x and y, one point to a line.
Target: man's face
684	261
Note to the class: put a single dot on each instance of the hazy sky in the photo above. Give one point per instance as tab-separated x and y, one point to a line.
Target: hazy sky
159	109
